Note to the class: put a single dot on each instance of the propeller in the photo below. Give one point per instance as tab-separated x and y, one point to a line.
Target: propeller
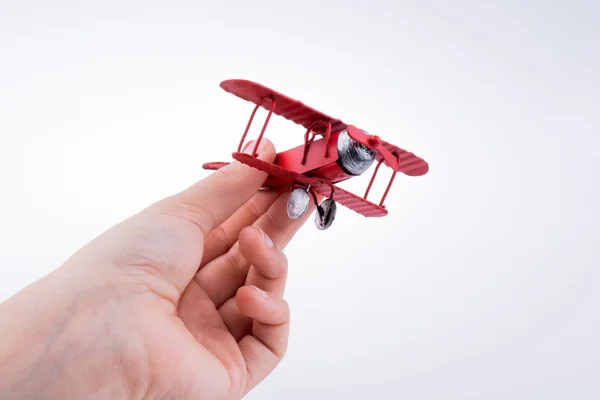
373	142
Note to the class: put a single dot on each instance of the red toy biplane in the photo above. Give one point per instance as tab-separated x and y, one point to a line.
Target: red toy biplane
342	152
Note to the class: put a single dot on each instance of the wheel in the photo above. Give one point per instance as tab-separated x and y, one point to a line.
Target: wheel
325	214
298	203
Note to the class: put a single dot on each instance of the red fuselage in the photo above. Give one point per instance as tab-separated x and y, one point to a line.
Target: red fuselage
316	163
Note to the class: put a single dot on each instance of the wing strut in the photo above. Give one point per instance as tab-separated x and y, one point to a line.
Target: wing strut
389	186
309	139
264	128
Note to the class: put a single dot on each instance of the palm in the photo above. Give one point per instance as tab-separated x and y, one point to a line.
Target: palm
189	366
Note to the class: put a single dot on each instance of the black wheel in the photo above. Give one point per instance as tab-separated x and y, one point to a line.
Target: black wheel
325	214
297	203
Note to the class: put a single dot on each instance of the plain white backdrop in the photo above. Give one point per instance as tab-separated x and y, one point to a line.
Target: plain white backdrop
482	283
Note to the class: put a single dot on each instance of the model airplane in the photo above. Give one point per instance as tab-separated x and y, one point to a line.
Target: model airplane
341	152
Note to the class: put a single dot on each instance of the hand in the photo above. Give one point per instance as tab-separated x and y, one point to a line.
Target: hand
181	301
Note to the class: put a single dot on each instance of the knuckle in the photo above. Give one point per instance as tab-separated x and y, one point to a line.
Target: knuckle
192	211
274	223
221	235
229	172
237	260
233	175
252	209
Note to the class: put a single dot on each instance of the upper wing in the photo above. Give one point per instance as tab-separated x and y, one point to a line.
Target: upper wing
408	163
394	157
285	106
305	116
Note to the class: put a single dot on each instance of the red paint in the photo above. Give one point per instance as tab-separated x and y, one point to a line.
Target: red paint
314	162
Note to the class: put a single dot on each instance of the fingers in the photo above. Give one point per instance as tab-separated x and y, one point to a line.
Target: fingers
204	322
268	272
237	323
213	200
265	348
269	264
225	235
258	314
224	275
261	306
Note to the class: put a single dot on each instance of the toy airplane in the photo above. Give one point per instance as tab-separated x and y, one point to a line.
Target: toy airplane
341	152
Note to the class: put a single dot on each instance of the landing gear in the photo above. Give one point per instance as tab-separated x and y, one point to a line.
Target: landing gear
298	204
325	214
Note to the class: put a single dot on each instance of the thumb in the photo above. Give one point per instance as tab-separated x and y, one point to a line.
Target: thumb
211	201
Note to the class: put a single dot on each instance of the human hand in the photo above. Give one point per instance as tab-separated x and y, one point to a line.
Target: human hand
168	304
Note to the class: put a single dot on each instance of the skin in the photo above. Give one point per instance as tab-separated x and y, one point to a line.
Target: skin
183	300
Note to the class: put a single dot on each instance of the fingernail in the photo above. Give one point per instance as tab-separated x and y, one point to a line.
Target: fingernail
266	239
262	293
248	148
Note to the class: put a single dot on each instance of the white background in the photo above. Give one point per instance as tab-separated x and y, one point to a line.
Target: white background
482	283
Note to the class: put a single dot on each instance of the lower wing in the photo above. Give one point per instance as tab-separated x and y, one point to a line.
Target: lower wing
283	178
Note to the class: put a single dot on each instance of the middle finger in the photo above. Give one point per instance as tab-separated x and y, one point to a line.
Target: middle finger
222	277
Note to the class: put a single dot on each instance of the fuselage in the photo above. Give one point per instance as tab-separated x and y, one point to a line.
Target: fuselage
316	163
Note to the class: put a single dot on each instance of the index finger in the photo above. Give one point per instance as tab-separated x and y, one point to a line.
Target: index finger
214	199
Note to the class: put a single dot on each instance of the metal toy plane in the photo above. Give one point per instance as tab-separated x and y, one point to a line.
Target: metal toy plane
341	152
